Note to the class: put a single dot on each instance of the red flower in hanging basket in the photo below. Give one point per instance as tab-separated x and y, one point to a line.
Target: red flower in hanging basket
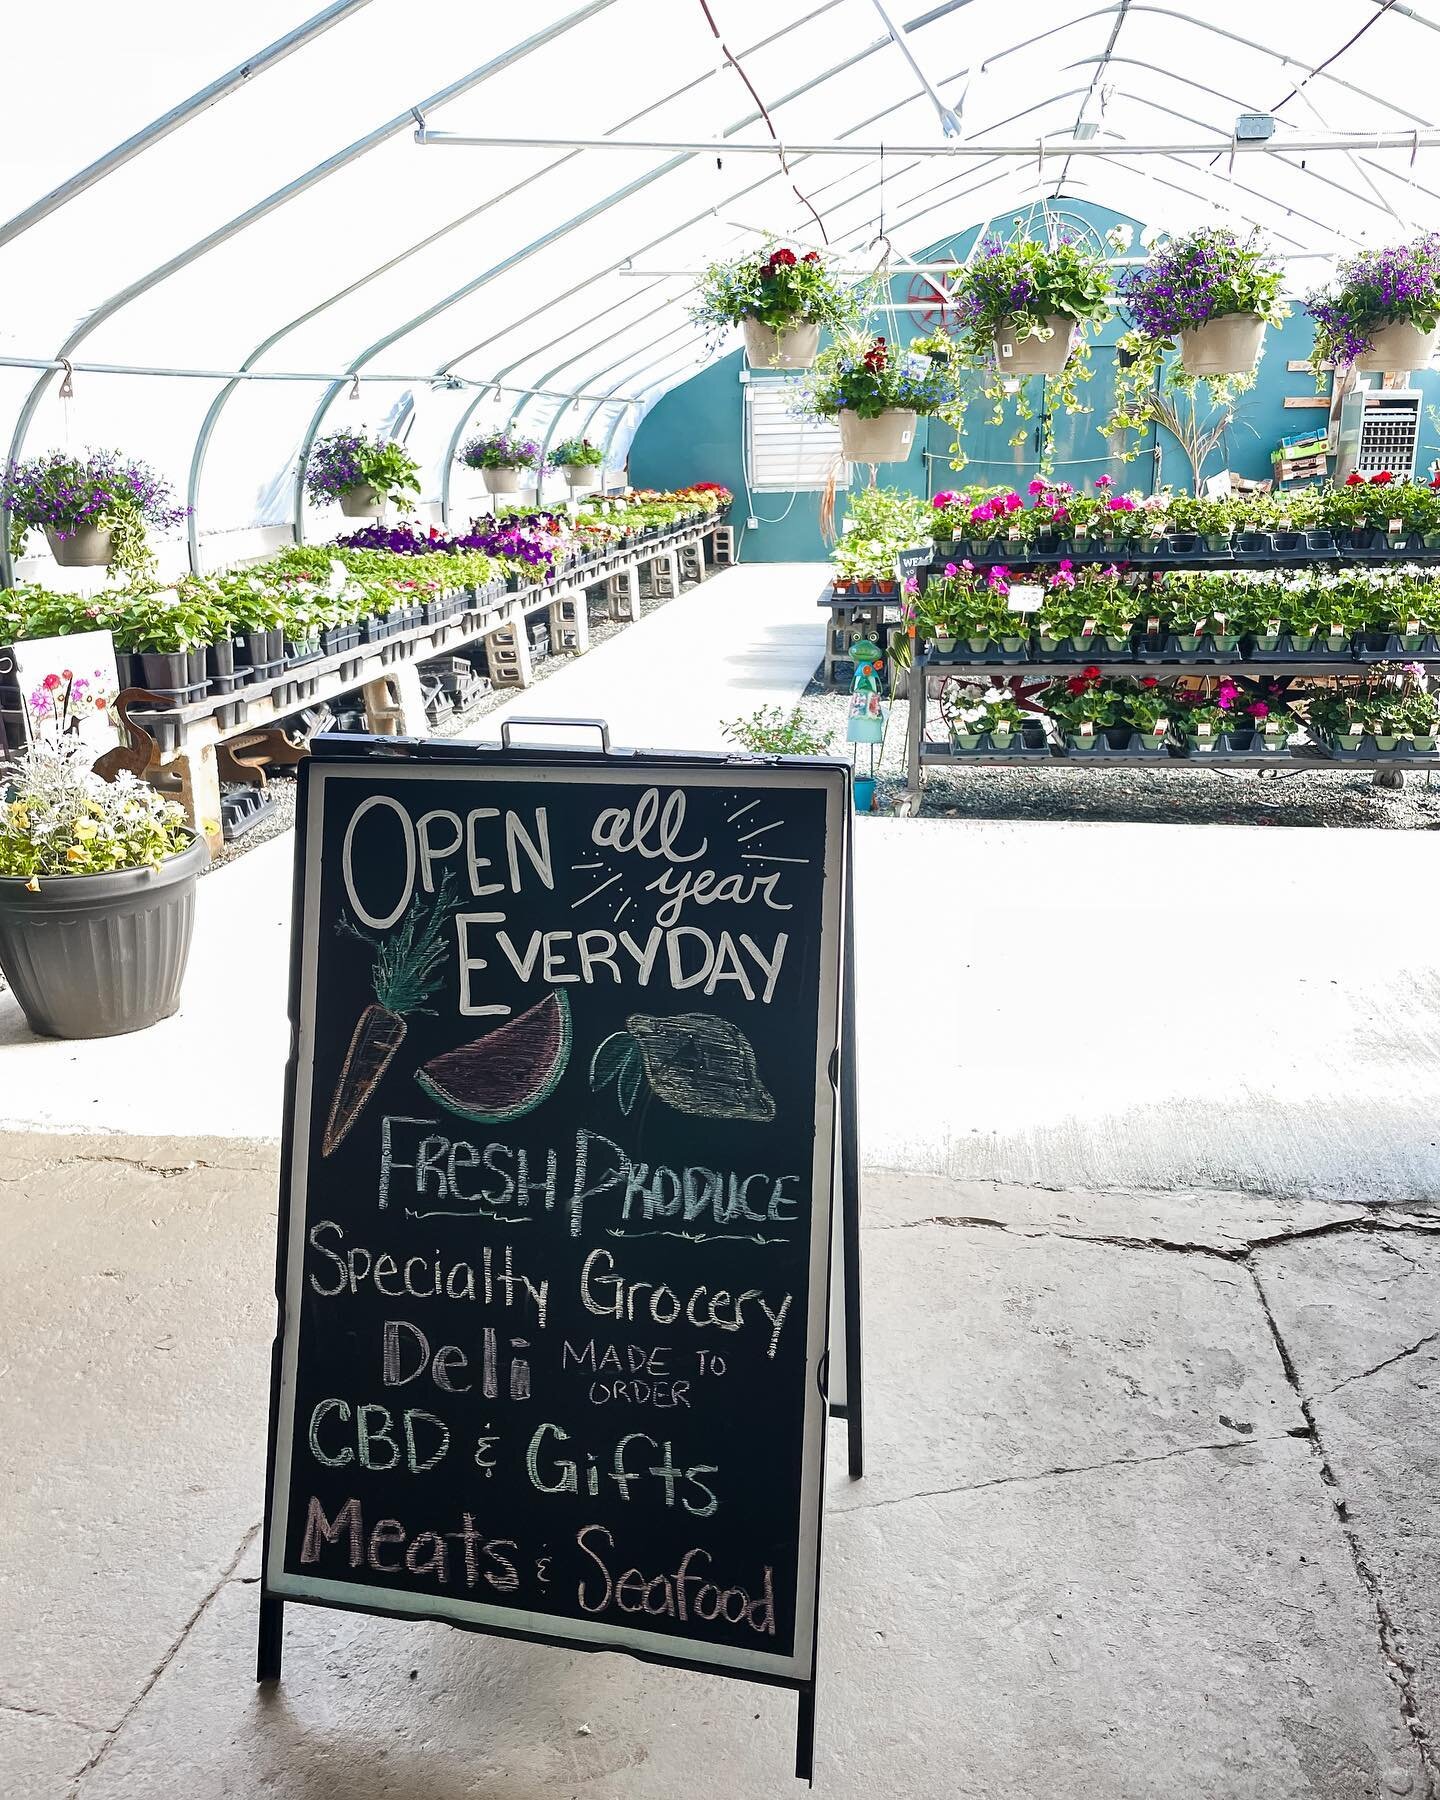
812	256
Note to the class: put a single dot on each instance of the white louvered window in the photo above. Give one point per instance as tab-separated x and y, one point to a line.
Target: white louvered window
785	451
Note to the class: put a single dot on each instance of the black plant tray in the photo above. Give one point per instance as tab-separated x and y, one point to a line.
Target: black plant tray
1370	752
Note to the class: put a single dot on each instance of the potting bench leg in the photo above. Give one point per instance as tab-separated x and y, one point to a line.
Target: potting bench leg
394	704
915	731
724	546
570	622
625	593
507	650
199	773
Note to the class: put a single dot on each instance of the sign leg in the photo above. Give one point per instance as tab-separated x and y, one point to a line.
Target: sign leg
271	1639
850	1209
805	1736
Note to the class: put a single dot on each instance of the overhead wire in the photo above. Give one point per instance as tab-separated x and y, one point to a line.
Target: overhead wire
735	64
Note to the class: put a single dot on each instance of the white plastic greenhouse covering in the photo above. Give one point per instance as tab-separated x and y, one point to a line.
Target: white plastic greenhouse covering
215	192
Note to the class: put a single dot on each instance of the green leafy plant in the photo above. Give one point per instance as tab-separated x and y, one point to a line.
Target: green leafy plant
576	453
870	377
773	732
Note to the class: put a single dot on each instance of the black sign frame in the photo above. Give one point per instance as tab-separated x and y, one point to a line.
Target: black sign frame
841	1250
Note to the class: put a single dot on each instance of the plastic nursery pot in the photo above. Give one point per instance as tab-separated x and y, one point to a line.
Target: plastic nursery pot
581	475
1217	542
363	502
501	481
172	672
966	741
1229	345
792	349
887	438
87	547
1017	355
864	793
863	585
1399	345
945	645
98	955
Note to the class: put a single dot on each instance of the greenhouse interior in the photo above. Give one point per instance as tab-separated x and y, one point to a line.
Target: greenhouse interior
543	552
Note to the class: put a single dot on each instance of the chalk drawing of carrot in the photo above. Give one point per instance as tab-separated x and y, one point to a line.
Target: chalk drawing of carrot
404	975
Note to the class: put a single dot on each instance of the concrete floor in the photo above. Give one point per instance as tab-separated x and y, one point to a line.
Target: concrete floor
1152	1285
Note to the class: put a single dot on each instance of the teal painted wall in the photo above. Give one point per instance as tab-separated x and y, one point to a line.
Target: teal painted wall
694	433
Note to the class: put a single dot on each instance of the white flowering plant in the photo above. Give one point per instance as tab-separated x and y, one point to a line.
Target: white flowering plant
57	817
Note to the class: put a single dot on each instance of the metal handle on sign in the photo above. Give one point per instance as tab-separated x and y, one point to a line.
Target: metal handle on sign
599	725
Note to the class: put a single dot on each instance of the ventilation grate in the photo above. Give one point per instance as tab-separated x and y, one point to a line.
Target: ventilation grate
787	453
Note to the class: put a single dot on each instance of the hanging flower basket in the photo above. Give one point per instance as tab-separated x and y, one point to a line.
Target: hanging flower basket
501	481
1032	355
793	348
581	475
886	438
1227	345
87	547
362	502
1398	345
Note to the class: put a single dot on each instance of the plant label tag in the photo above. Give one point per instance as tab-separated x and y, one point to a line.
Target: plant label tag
1160	727
1025	598
1412	627
1337	630
1395	526
1087	730
1088	628
1274	628
1152	627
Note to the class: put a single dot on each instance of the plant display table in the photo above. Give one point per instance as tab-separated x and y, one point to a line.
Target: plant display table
387	673
852	617
1030	675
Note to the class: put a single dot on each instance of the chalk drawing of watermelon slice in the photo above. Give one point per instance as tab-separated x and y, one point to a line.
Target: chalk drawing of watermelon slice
509	1071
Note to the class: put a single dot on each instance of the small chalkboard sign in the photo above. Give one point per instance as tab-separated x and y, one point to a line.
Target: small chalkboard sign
556	1224
914	561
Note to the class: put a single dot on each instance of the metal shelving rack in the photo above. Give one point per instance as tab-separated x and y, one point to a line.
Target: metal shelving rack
921	752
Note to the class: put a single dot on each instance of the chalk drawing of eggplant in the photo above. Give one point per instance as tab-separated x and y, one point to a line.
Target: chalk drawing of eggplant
693	1062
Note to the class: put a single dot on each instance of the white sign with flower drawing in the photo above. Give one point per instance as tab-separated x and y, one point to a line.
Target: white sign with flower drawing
66	685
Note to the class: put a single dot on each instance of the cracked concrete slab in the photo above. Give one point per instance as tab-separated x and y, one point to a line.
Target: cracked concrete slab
1058	1422
40	1754
1215	1220
1347	1303
1071	1638
1382	1447
137	1314
992	1356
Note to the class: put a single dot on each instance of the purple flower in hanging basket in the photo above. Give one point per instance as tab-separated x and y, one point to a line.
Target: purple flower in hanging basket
63	493
498	450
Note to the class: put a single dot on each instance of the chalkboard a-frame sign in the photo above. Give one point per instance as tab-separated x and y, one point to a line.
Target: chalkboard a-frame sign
565	1111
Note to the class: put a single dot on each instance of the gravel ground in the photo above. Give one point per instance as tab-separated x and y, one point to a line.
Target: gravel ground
1174	796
